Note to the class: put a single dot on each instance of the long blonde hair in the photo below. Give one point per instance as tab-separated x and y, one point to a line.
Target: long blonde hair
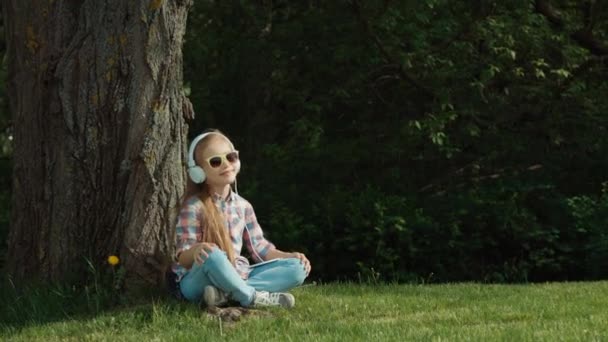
213	223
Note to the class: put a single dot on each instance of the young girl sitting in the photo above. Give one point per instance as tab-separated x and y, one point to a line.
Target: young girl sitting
214	223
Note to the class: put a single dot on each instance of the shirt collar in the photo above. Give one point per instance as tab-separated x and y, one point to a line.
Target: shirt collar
230	198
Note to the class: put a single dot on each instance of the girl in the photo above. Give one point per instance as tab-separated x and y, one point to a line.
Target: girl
214	223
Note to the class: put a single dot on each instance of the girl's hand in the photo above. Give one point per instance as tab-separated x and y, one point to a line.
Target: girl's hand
204	248
303	260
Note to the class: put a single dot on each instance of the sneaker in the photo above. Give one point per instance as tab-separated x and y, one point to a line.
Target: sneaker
214	297
264	298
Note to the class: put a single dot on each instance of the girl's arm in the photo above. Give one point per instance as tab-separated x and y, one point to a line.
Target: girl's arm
259	247
278	254
253	237
188	234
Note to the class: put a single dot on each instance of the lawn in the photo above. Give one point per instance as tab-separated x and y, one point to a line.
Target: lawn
344	312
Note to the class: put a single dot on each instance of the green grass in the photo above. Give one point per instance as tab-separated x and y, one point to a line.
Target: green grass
337	312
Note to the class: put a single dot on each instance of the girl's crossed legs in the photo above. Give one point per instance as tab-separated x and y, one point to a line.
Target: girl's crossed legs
281	275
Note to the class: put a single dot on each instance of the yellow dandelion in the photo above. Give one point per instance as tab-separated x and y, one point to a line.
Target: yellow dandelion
113	260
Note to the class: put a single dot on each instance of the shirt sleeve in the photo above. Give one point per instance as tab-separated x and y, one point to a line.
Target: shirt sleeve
253	237
188	230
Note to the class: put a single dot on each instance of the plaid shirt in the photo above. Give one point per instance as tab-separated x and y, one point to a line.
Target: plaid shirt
240	222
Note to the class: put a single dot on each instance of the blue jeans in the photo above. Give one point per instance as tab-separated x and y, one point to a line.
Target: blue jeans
216	270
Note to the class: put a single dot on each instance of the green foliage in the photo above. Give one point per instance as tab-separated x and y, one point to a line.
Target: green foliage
4	223
412	141
591	220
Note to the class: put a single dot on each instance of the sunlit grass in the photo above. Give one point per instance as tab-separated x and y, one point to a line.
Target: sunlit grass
340	312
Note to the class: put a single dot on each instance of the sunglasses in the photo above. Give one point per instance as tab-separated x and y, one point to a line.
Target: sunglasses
217	160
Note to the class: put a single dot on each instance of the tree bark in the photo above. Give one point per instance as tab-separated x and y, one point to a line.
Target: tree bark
95	91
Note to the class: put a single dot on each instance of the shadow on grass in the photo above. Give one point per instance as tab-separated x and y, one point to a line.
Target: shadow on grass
41	304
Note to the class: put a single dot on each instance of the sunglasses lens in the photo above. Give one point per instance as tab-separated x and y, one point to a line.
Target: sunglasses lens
215	161
232	157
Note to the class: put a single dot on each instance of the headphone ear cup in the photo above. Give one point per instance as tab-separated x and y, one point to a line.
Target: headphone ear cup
197	174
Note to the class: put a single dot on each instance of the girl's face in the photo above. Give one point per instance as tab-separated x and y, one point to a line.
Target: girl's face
223	174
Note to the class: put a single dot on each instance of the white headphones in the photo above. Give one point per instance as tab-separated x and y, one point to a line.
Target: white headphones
196	173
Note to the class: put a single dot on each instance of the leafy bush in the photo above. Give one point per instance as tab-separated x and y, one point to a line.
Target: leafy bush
591	220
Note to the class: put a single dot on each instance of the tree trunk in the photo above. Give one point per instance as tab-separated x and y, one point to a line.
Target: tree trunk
95	91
